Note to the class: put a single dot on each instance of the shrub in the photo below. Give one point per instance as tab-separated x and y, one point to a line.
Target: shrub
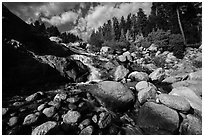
176	45
160	38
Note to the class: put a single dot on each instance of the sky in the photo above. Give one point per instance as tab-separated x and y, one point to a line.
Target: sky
79	18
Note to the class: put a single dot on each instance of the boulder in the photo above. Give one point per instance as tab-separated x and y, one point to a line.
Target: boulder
120	73
174	102
191	126
44	128
138	76
155	117
114	95
60	97
49	112
71	117
157	75
34	96
30	119
13	121
4	111
121	58
189	95
87	131
146	91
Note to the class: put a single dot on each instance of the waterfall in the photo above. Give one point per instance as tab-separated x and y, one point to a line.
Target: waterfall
94	72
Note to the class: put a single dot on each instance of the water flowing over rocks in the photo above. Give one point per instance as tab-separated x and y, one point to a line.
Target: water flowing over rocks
53	88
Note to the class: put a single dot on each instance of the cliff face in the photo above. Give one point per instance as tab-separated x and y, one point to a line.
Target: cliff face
31	60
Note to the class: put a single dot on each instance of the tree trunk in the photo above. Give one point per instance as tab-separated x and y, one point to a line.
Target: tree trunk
180	26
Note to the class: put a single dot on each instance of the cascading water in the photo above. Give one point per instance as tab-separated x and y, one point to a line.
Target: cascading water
94	72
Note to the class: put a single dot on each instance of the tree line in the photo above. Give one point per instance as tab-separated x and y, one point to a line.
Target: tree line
184	18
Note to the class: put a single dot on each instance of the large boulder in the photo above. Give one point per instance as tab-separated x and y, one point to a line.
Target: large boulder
191	126
146	91
120	73
152	48
44	128
175	102
114	95
194	100
138	76
155	118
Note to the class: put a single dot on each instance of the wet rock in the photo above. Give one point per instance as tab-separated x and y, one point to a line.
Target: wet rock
175	102
114	95
41	107
95	118
60	97
30	119
49	112
154	117
146	91
120	73
84	123
138	76
34	96
87	131
4	111
105	120
191	126
157	75
55	104
71	117
18	104
189	95
44	128
13	121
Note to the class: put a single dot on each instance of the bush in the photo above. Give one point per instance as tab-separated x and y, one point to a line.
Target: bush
176	45
160	38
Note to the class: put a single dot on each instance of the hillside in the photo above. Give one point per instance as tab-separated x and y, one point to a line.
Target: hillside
120	88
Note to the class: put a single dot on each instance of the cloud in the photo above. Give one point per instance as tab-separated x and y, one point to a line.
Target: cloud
34	10
100	14
61	19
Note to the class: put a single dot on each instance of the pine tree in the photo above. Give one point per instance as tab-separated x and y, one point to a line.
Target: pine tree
116	28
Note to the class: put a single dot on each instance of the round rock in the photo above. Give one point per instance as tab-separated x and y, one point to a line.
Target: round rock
44	128
138	76
175	102
30	119
49	112
153	117
71	117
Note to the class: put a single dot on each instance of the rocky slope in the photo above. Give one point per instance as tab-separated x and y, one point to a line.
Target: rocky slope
82	93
